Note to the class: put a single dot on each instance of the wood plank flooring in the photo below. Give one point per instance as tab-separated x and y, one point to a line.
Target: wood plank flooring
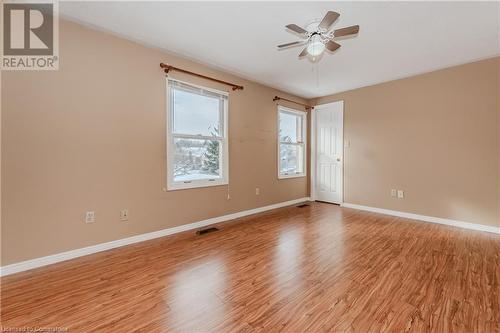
320	268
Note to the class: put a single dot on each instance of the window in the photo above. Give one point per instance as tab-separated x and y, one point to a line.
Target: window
197	149
291	143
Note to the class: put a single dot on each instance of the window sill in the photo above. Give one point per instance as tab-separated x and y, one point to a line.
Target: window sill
195	184
300	175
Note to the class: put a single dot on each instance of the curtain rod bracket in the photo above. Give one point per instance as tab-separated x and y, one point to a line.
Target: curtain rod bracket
168	68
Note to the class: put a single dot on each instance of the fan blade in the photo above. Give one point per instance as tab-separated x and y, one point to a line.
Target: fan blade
332	46
289	44
303	53
328	20
346	31
297	29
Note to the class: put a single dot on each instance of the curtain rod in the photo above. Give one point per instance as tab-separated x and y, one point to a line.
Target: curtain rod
168	68
307	107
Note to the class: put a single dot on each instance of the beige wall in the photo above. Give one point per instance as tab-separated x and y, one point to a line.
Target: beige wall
498	147
91	136
436	136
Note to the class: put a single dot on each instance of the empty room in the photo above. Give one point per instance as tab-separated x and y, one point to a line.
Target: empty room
250	166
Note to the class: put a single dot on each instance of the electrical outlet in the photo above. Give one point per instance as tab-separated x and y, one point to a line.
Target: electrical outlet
124	215
257	191
401	194
394	193
90	217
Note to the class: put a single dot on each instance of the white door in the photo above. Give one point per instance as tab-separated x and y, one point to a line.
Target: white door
329	123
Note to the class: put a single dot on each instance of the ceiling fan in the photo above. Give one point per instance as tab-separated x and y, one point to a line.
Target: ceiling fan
320	37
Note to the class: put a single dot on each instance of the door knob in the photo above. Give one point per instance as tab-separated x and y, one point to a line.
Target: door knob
338	159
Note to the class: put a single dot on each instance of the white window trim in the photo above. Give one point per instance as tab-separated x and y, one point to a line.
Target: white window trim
182	185
304	142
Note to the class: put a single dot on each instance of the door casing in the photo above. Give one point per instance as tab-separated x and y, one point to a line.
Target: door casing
313	153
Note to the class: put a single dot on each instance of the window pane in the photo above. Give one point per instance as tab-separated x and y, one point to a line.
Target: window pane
290	127
291	159
196	159
196	114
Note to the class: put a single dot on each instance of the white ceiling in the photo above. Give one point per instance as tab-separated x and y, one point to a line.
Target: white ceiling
396	39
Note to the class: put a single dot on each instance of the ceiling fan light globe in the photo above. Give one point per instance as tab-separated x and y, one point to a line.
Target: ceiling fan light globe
315	46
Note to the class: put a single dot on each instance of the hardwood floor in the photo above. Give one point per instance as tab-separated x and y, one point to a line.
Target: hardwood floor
315	269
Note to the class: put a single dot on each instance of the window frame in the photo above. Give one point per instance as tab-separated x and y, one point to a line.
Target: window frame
303	115
170	138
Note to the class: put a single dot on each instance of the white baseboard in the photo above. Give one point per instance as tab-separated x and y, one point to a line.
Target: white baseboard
432	219
52	259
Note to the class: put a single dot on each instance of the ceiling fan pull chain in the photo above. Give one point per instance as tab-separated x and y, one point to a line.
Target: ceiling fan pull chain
317	74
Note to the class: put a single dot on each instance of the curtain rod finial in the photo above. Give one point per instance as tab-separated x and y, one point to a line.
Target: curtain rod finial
166	67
